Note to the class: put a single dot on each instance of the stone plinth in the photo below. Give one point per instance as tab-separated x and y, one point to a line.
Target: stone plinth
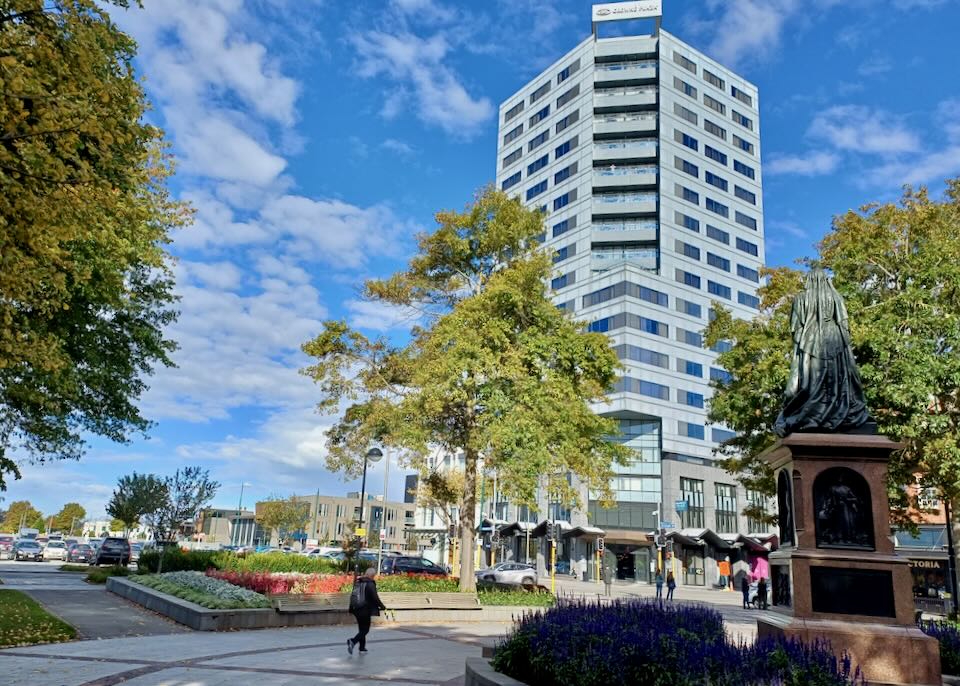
836	575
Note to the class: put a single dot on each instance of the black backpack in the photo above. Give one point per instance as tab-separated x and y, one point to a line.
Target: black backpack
358	596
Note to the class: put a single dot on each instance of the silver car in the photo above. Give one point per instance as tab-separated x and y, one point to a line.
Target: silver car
510	573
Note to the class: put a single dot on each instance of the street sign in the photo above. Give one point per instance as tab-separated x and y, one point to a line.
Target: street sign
383	534
682	505
360	531
666	525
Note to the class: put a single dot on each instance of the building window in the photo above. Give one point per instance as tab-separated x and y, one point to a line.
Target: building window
748	300
690	430
685	62
718	262
726	495
540	92
686	221
563	281
722	347
568	96
747	247
565	147
513	134
714	104
690	338
721	375
687	279
746	220
570	119
684	113
632	321
684	87
687	194
538	164
538	140
689	398
747	273
628	384
565	73
686	167
715	155
340	511
564	226
713	79
565	253
626	289
687	250
690	368
536	190
744	194
715	180
744	145
564	173
718	235
740	95
689	308
510	181
757	501
717	208
513	112
691	490
642	355
719	290
539	116
686	140
717	131
564	200
743	121
741	168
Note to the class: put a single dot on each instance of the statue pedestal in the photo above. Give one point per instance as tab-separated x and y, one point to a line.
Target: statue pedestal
836	575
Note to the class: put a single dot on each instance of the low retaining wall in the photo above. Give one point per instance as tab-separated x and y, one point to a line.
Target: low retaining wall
204	619
480	673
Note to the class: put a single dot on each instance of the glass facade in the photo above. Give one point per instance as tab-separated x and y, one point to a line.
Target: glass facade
691	490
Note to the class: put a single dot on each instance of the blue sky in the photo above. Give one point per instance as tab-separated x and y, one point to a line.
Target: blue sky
315	138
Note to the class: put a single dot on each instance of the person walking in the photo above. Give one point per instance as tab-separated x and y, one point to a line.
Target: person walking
607	579
671	585
658	579
364	604
762	593
745	589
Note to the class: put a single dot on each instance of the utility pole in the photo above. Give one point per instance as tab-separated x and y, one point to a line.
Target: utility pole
951	556
316	516
383	524
236	524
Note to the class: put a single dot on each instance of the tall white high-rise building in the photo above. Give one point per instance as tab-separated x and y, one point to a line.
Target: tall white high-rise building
644	156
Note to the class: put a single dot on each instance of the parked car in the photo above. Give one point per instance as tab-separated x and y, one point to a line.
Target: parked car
509	573
27	550
395	564
80	552
6	546
55	550
135	550
114	551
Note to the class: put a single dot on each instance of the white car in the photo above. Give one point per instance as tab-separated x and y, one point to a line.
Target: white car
509	573
55	550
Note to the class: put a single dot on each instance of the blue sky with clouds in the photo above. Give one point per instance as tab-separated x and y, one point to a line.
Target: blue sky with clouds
314	138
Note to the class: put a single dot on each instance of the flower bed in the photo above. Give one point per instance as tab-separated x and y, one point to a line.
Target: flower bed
270	583
948	634
645	643
203	590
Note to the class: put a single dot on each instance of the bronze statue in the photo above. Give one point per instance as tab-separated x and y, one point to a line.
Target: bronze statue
842	502
824	393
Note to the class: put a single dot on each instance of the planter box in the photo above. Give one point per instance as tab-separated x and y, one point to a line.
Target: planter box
479	672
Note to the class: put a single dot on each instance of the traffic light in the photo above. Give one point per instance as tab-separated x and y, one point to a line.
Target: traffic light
452	531
600	544
551	531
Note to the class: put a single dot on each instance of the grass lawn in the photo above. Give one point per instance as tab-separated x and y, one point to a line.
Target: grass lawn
24	622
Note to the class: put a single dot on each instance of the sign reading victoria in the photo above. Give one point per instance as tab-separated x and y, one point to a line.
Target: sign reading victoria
618	11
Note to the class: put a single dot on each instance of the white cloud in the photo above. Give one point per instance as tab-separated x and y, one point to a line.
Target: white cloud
814	163
789	227
379	316
401	148
216	148
875	65
747	30
412	62
863	130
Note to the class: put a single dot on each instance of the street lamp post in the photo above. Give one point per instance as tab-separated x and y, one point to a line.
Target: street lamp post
373	455
235	537
383	523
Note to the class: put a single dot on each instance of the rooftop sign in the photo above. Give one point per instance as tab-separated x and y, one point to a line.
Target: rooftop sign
618	11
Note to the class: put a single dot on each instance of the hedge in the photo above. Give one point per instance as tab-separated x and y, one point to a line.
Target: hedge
176	560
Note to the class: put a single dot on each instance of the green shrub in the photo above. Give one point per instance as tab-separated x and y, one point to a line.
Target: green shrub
74	568
414	583
176	560
516	598
99	575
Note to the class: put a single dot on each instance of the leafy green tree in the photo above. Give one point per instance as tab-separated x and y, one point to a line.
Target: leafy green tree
496	372
188	491
898	268
135	496
284	516
68	517
85	286
20	513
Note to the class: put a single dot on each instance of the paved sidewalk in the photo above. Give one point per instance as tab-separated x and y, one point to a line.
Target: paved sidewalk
428	655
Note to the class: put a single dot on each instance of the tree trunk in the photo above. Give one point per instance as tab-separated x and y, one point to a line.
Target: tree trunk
468	523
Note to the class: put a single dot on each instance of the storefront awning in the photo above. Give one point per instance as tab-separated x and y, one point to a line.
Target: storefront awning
541	528
585	532
627	537
701	537
517	528
682	539
487	525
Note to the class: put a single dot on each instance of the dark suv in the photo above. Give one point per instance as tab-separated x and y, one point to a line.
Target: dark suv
114	551
411	565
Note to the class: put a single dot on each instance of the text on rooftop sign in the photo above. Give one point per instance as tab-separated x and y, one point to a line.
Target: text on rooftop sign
619	11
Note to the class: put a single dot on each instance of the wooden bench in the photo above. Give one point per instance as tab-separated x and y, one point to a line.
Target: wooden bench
340	602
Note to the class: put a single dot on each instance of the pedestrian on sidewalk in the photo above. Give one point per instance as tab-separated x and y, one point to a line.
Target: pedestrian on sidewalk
745	589
608	579
658	579
364	604
671	585
762	593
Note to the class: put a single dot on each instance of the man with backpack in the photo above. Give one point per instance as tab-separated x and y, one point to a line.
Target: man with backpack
364	604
